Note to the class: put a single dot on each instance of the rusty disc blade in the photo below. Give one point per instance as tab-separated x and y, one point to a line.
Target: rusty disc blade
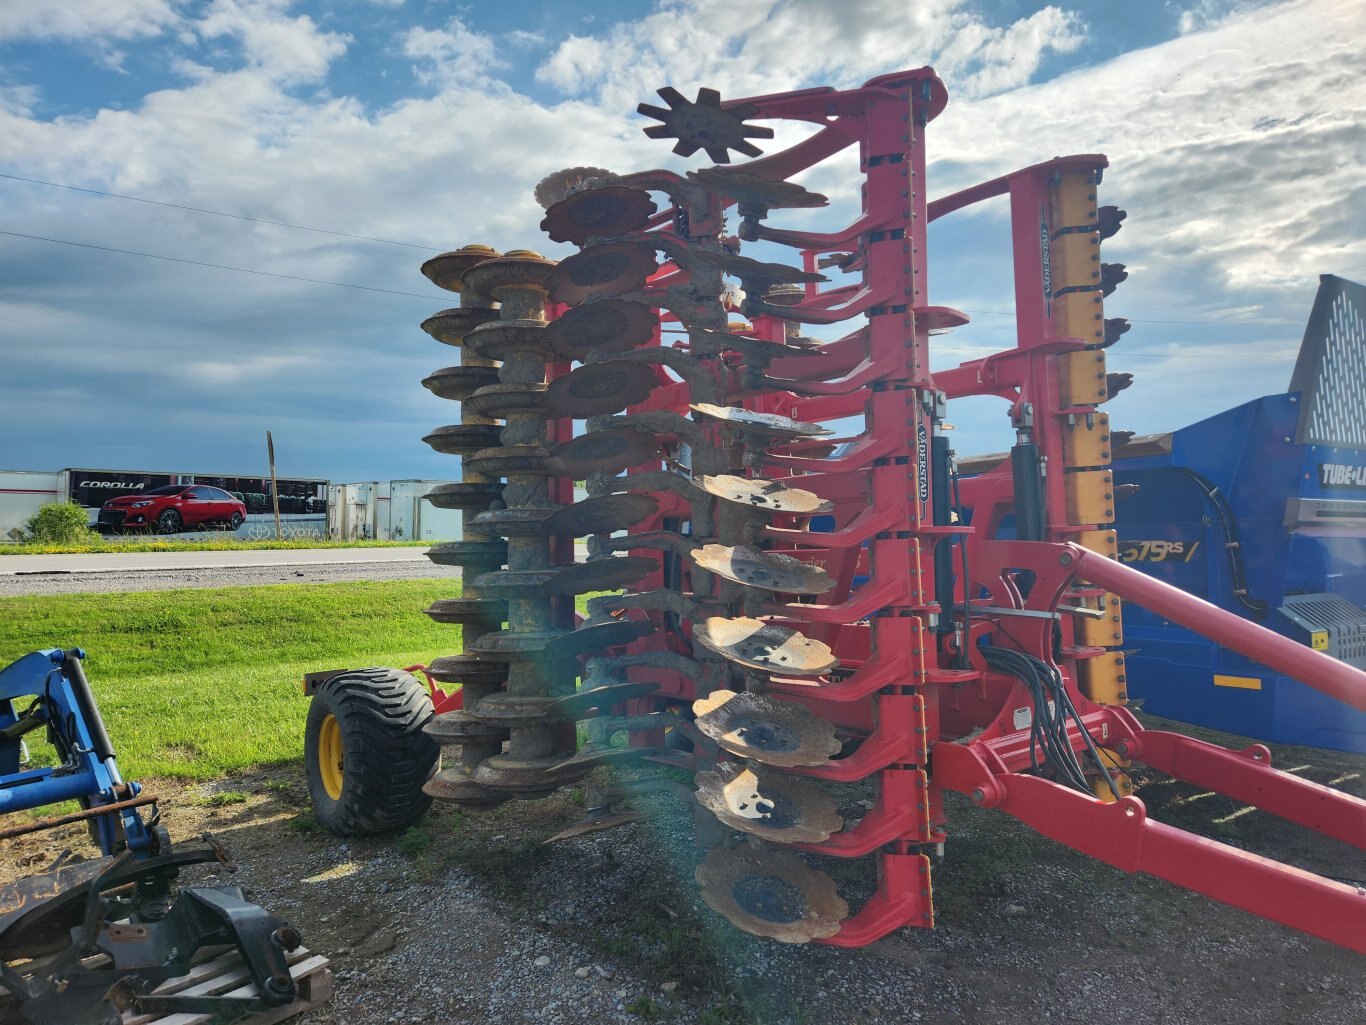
610	268
461	439
770	731
609	451
451	326
771	495
598	213
528	777
459	383
608	326
513	645
455	786
499	401
465	495
555	187
603	514
769	570
468	610
587	639
525	521
599	700
596	822
766	646
756	275
459	726
447	270
467	670
768	425
704	124
509	460
503	339
770	805
575	578
516	269
600	388
470	553
750	190
771	893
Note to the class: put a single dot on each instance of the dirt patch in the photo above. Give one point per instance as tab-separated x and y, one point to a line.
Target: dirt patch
469	918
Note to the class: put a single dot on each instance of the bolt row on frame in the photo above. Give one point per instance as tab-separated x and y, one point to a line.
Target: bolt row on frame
788	613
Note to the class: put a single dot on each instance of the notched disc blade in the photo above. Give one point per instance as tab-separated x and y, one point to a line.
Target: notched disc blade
576	578
598	213
769	425
770	805
771	893
555	187
770	731
499	401
751	190
465	495
461	439
523	521
609	451
601	515
609	326
772	495
451	326
502	339
518	268
769	570
600	635
702	124
600	388
447	270
766	646
459	383
607	269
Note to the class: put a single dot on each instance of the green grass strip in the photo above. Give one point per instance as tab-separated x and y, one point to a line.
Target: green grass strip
227	544
195	683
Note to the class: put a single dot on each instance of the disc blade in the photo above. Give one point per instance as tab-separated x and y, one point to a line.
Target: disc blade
770	805
781	733
771	893
765	646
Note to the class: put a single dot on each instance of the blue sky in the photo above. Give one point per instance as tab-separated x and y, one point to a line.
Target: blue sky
1234	131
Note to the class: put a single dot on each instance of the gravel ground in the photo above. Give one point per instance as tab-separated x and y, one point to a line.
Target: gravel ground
162	580
471	919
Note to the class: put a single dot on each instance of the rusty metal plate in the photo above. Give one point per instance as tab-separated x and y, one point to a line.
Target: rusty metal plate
466	669
600	388
768	425
760	274
771	893
770	805
604	514
555	187
598	213
609	451
459	383
770	731
576	578
597	821
455	786
515	269
469	553
451	326
461	439
503	339
766	646
447	270
610	326
468	610
770	495
753	194
499	401
611	268
509	460
465	495
769	570
703	124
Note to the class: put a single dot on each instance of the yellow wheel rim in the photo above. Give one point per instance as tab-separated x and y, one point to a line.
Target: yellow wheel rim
330	757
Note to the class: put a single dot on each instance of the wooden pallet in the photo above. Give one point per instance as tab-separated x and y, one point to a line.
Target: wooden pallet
226	975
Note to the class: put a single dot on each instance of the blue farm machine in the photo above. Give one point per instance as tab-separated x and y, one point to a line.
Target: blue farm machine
899	645
89	940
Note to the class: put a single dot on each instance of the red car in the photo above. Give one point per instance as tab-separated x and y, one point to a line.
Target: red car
172	509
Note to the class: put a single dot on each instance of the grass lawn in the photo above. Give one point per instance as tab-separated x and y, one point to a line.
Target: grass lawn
152	544
198	682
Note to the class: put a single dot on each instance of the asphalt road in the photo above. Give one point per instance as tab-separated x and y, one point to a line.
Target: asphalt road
154	571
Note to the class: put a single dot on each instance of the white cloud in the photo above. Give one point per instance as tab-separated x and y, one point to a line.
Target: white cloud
287	49
452	55
86	19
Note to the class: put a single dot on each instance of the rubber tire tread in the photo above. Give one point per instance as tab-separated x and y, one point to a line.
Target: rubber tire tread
387	757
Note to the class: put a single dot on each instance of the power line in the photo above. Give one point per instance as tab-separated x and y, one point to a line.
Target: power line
221	266
218	213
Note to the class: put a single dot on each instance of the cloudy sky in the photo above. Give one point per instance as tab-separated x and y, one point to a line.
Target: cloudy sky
1234	131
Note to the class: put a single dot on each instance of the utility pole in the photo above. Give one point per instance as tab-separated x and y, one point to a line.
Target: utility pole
274	488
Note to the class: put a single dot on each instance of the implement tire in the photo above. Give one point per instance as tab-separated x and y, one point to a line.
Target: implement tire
365	754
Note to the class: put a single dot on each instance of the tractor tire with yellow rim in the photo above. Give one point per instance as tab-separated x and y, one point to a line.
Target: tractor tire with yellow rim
365	754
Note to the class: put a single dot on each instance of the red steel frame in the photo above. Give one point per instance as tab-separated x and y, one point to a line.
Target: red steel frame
911	693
